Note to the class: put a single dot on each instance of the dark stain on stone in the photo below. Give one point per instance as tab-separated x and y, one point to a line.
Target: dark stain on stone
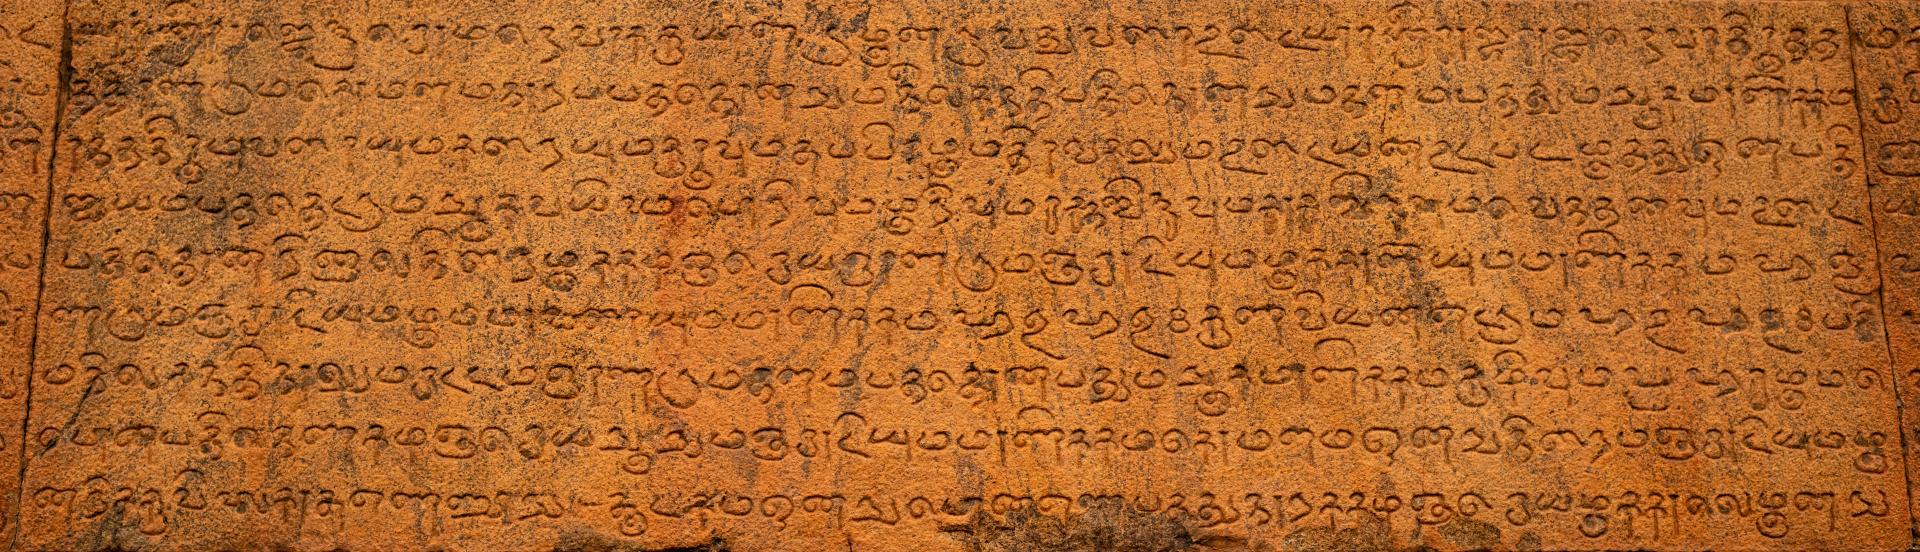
1528	542
1470	534
1373	535
1101	528
585	541
1370	535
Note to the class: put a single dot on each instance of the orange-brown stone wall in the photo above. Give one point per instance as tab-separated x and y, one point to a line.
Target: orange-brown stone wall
971	276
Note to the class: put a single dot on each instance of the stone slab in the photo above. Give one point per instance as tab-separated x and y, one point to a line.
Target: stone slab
1340	275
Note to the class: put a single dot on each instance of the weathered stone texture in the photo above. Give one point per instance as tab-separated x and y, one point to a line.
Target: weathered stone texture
30	41
1337	275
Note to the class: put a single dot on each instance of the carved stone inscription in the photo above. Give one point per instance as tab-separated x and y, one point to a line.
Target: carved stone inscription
1340	275
1888	78
30	43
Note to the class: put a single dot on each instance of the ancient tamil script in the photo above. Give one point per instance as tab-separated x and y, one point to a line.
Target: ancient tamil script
935	275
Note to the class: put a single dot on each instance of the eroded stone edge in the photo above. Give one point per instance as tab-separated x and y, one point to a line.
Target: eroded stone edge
32	15
1881	126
